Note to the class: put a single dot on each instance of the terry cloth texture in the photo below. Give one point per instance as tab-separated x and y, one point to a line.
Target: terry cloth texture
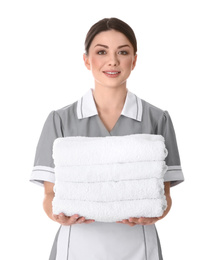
110	178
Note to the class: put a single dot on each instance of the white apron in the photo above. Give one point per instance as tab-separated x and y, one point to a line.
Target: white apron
107	241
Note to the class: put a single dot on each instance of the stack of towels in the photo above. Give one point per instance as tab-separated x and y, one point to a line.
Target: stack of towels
110	178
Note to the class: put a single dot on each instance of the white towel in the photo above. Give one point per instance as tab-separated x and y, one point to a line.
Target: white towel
80	150
108	191
111	172
110	178
111	211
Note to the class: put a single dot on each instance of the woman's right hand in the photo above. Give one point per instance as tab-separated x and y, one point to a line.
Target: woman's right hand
61	218
67	221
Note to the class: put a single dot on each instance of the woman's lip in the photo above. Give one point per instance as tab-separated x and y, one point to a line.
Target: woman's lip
112	73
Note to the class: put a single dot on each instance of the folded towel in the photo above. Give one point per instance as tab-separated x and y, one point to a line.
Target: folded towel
111	211
80	150
109	190
110	178
111	172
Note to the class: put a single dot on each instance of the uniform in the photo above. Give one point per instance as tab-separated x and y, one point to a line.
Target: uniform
100	240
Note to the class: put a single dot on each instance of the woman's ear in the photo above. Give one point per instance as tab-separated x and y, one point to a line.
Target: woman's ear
134	62
86	61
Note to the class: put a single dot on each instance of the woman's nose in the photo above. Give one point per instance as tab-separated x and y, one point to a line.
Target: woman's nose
113	61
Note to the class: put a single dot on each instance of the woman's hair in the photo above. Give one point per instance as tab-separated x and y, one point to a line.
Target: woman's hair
107	24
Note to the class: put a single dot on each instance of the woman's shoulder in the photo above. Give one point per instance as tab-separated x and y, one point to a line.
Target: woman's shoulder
68	110
152	110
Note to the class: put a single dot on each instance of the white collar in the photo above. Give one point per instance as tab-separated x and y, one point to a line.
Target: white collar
132	107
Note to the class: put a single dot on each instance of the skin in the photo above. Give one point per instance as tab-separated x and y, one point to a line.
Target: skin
106	53
109	51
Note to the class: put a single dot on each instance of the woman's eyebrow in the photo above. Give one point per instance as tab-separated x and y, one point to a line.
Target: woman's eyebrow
122	46
101	45
105	46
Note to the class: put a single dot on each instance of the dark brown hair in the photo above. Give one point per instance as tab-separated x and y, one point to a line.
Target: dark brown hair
107	24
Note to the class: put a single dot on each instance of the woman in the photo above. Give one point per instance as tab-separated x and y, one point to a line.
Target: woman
108	109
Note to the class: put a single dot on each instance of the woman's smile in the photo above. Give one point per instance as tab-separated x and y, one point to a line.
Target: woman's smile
112	73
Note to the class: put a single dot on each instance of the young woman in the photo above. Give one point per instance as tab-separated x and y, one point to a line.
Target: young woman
108	109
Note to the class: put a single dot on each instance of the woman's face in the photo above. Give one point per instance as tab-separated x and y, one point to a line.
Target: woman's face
111	59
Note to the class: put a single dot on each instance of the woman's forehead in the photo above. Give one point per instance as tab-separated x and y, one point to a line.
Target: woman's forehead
111	38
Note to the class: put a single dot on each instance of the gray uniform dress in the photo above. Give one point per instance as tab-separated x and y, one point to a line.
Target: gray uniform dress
100	240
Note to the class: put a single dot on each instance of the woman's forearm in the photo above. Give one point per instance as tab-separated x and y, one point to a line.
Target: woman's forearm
49	196
47	205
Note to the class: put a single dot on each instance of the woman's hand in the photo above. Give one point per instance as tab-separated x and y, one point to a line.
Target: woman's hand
138	221
150	221
67	221
61	218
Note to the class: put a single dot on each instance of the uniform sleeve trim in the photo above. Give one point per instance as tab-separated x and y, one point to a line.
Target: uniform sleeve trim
41	174
174	174
175	167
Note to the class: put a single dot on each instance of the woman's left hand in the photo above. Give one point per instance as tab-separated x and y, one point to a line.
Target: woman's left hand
138	221
150	221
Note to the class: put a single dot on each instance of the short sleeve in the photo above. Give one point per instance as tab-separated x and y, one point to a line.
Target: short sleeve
43	169
165	128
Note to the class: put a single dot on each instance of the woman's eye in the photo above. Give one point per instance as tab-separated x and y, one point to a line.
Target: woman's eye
101	52
123	52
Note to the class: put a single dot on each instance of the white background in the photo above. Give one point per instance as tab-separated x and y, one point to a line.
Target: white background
178	70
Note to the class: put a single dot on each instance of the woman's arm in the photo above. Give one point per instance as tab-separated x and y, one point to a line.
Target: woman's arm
61	218
48	197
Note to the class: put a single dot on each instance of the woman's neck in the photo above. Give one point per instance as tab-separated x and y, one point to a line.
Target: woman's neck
109	99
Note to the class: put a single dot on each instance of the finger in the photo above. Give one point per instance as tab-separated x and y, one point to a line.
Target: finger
89	221
55	217
150	221
73	219
134	220
62	218
65	220
142	221
80	220
154	220
126	221
129	223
